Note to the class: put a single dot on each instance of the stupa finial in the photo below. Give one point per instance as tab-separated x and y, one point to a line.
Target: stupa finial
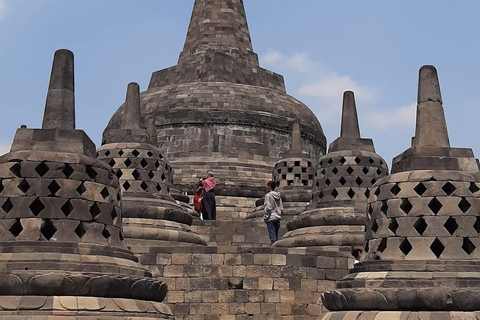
60	104
350	127
131	114
431	127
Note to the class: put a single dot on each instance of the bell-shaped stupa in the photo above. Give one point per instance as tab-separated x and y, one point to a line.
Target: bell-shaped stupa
421	254
218	110
151	215
336	215
62	248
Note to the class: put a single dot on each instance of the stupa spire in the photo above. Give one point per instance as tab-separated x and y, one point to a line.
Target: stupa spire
350	127
131	115
431	127
60	104
219	25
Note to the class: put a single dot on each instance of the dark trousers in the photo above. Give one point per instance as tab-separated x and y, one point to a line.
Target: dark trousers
209	205
273	226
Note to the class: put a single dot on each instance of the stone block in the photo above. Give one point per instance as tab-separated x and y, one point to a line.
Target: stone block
209	296
265	283
226	296
175	296
181	258
172	271
271	296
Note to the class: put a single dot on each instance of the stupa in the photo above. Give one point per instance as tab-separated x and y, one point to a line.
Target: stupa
218	110
421	256
336	214
62	250
151	215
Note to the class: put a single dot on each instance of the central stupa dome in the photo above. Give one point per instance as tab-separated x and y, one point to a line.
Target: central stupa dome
218	110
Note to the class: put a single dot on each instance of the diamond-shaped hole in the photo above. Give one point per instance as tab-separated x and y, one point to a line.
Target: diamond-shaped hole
374	226
330	161
377	191
136	174
349	170
384	207
126	185
119	173
476	225
342	181
320	195
468	246
359	181
371	161
16	170
420	225
335	170
128	162
373	181
111	163
105	233
7	206
365	170
379	172
334	193
163	177
366	247
395	189
107	153
473	187
48	229
42	169
328	182
91	172
81	189
157	164
358	160
351	193
448	188
16	228
405	247
158	187
144	186
393	225
383	245
343	160
23	186
36	207
151	175
370	209
367	193
1	186
323	172
105	193
150	154
53	187
68	170
437	247
114	216
464	205
67	208
420	189
144	163
451	225
121	153
135	153
406	206
80	230
435	205
94	211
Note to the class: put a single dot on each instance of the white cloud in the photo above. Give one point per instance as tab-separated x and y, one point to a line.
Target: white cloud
272	57
382	119
333	86
3	9
300	62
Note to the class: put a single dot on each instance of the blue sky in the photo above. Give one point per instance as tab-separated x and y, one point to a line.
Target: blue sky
322	48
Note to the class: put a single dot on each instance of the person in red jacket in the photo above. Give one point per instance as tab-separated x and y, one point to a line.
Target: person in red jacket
209	206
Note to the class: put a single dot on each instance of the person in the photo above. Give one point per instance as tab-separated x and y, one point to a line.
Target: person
209	206
197	199
356	253
273	209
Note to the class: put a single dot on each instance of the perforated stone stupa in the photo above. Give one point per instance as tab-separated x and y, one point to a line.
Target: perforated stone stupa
218	110
62	251
336	214
421	253
151	215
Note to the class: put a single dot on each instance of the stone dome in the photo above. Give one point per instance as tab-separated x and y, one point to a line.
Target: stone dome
218	110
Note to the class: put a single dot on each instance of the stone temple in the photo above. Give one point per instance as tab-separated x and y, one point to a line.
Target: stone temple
110	232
